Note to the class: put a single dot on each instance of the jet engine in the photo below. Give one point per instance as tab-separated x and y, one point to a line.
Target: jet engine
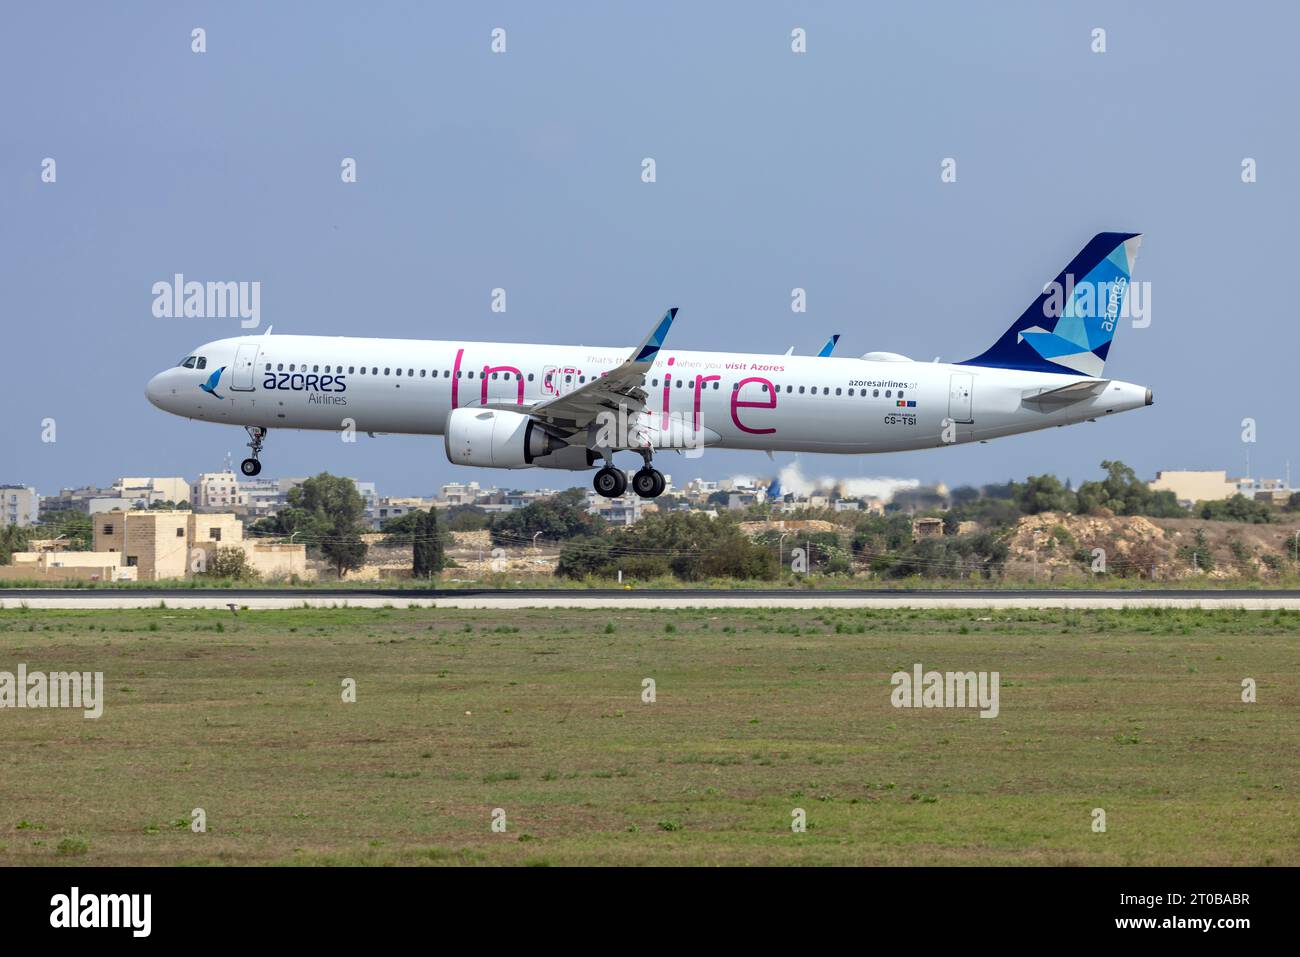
499	439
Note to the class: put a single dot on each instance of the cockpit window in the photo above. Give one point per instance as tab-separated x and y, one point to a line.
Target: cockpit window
188	362
203	362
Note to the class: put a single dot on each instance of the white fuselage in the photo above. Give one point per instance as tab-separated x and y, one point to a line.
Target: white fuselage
735	400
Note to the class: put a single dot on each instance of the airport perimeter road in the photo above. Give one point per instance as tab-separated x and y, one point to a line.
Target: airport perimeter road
37	598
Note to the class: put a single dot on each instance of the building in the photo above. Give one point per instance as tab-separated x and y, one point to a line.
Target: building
390	507
74	499
48	565
163	544
266	496
462	493
926	528
1191	486
627	509
144	492
218	490
19	505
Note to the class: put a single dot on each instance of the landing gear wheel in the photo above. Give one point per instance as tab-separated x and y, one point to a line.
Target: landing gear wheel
648	483
610	482
251	466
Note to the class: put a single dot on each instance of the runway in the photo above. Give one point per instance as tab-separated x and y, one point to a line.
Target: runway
487	598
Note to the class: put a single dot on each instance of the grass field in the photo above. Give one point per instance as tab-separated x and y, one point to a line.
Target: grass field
539	713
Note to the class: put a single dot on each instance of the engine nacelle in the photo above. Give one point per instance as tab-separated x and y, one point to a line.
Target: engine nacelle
498	439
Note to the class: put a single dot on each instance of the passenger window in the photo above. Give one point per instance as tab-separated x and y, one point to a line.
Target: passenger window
850	392
268	367
374	370
399	372
654	383
352	368
801	390
388	370
410	372
875	393
837	392
279	367
715	384
889	393
900	393
530	377
315	368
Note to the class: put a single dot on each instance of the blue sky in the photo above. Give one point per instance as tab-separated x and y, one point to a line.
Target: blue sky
522	170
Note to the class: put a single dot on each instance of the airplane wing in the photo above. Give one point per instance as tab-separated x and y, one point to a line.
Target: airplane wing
621	386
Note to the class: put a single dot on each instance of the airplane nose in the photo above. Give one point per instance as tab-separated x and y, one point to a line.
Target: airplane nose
155	389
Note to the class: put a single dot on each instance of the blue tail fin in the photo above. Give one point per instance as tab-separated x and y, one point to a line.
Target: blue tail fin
1070	325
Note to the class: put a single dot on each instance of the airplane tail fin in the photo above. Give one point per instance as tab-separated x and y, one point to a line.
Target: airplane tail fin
1070	325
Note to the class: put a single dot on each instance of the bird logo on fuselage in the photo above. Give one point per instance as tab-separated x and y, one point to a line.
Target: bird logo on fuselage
210	387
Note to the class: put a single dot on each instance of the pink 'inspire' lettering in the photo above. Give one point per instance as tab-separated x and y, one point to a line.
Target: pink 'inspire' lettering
769	402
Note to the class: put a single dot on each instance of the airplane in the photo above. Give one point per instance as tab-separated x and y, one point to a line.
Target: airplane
511	405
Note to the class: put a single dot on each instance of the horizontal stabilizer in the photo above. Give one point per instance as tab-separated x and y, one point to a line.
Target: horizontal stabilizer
1049	400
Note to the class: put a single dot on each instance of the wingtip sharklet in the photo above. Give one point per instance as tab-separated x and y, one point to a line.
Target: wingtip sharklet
655	340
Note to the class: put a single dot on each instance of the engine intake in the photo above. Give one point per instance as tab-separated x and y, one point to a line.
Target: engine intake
496	438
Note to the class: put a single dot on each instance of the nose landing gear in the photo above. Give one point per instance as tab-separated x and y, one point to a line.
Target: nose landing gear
251	466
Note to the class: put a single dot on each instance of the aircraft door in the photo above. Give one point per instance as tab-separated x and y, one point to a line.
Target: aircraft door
959	397
241	376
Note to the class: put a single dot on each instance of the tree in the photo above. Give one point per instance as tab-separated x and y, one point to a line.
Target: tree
232	563
324	514
12	539
689	545
556	519
427	551
1123	493
1236	509
403	529
1044	493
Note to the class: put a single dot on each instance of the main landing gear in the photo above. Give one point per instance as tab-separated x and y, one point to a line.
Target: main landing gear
251	466
610	482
